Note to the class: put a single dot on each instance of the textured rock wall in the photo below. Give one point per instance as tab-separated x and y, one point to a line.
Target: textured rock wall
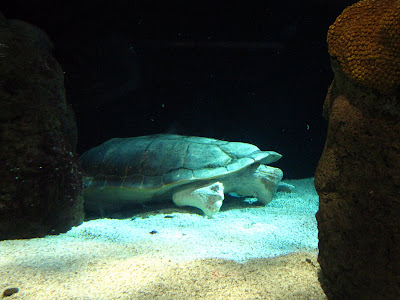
358	176
40	179
358	182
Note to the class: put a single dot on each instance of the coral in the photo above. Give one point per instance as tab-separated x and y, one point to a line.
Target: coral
365	39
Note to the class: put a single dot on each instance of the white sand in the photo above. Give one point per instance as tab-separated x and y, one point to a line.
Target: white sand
231	256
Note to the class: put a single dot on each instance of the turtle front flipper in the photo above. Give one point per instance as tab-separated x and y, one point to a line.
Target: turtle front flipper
208	198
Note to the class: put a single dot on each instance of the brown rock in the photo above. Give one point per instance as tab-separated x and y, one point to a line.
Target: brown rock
358	182
40	177
10	291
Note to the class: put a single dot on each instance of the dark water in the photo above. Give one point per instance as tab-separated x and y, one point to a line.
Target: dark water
255	72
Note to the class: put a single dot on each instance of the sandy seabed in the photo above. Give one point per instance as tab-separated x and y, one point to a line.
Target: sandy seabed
245	252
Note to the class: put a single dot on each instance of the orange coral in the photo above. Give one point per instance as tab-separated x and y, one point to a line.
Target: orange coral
365	39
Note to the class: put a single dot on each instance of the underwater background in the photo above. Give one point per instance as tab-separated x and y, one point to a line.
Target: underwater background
254	72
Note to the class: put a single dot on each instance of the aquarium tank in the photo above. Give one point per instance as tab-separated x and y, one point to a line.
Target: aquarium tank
162	150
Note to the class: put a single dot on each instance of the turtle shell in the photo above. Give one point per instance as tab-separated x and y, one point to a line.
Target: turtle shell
164	160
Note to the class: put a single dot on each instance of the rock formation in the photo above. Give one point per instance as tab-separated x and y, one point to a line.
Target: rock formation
358	176
40	178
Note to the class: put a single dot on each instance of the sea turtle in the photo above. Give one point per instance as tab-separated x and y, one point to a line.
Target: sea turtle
194	171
